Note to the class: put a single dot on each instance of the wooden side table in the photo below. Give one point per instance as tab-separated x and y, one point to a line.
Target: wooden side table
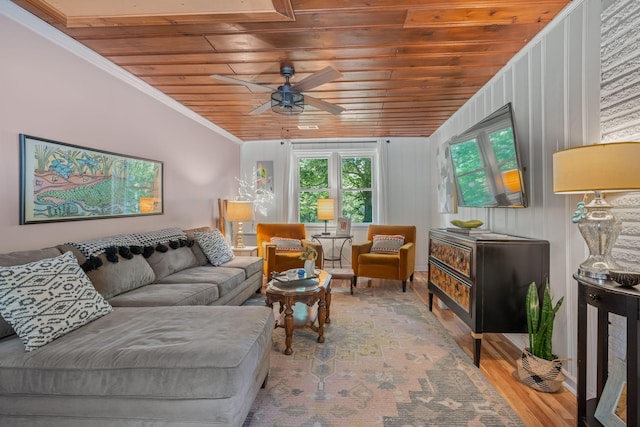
289	296
245	251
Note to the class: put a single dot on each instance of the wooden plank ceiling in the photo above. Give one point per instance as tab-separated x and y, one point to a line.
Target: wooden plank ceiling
407	65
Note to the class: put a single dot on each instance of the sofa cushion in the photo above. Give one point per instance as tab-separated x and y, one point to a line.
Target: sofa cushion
47	299
387	243
226	278
166	263
113	278
157	295
250	264
18	258
152	352
215	246
196	249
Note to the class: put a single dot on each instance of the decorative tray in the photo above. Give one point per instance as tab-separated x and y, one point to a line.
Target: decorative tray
282	280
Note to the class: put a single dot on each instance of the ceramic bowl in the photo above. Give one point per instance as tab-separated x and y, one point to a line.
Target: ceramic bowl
625	278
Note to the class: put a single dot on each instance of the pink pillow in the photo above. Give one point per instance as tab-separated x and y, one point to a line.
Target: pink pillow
387	243
284	244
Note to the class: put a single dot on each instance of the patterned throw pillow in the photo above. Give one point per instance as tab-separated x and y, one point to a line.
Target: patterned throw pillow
387	243
214	246
46	299
284	244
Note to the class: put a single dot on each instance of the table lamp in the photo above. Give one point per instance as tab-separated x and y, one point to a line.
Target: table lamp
597	169
239	211
325	212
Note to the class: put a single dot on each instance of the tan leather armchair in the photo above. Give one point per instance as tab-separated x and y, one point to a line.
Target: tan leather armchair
282	261
400	266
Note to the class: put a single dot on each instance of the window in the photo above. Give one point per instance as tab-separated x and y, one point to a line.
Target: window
356	189
346	176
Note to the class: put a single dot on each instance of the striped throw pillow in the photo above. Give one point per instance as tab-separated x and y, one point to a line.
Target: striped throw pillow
387	243
284	244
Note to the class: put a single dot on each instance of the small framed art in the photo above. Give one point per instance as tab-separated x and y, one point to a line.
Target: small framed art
612	406
344	226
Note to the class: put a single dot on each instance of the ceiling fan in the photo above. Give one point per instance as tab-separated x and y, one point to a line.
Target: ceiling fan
288	99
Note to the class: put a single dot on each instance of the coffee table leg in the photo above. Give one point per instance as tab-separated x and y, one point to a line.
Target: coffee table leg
288	328
322	315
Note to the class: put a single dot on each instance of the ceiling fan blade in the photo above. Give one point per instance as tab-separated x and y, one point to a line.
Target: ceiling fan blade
316	79
323	105
254	86
261	109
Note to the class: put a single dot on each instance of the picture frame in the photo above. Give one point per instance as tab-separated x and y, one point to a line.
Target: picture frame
612	406
66	182
264	175
343	227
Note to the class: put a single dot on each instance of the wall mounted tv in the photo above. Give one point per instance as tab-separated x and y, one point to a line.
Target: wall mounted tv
486	165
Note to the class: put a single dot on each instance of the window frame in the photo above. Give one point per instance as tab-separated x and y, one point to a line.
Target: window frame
335	157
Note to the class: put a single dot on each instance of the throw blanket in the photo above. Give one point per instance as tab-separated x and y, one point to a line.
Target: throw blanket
96	247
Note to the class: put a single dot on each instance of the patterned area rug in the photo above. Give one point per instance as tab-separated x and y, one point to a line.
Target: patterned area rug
386	361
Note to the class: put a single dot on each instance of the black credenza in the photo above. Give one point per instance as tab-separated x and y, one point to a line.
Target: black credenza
484	279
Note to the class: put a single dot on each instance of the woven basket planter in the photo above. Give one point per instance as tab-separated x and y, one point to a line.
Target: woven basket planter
540	374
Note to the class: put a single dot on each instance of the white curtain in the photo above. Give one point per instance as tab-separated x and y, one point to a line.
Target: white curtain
382	180
288	207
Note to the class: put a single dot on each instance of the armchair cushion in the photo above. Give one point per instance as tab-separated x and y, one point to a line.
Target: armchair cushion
285	244
387	244
379	259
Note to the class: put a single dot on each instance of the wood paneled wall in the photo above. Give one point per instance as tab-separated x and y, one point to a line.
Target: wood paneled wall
554	86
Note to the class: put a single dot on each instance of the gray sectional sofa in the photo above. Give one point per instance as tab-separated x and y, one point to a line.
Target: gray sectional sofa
177	348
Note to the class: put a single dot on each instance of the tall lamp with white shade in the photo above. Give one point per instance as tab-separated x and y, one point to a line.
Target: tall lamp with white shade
239	211
598	168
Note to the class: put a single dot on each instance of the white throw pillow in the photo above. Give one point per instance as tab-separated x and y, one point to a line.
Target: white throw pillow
46	299
285	244
387	243
214	246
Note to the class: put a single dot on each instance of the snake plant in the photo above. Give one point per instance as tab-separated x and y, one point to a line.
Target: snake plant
540	321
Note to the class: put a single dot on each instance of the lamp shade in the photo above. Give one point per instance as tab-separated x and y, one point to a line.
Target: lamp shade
325	209
238	211
597	167
511	180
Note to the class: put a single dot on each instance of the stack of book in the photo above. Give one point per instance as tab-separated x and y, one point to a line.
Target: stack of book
469	231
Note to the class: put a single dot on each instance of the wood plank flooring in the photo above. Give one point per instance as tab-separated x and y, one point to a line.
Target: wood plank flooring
498	365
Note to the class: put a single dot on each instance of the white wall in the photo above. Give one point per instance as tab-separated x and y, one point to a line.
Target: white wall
48	91
620	112
407	184
553	84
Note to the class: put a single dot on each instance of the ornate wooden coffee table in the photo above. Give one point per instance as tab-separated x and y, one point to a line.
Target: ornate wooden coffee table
305	315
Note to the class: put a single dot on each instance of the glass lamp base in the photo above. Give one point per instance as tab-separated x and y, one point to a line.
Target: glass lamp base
600	272
600	229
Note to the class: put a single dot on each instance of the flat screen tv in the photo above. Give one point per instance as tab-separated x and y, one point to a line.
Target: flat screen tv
486	165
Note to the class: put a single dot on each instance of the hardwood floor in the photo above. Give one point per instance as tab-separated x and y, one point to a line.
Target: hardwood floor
498	365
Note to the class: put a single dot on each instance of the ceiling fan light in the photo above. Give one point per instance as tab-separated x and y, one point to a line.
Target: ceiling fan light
287	102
